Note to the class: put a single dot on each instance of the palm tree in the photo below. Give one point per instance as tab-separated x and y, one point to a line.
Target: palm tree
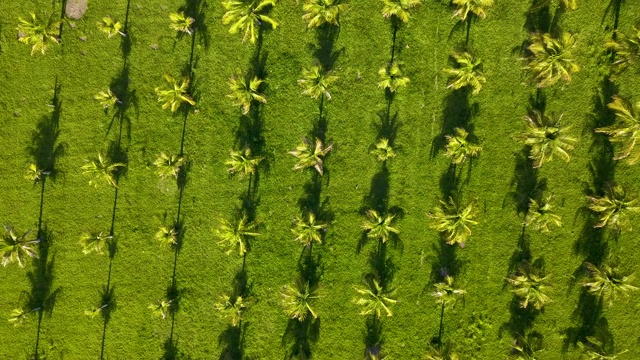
234	236
101	169
18	316
459	149
399	9
626	129
542	216
379	227
442	352
550	59
320	12
177	94
529	286
94	242
307	230
607	282
244	91
246	16
181	23
627	49
391	78
474	7
310	155
37	33
598	346
614	208
375	300
297	300
95	311
16	248
106	98
232	308
445	294
242	163
34	173
169	165
315	81
383	150
110	27
467	73
526	348
161	308
546	138
454	219
167	236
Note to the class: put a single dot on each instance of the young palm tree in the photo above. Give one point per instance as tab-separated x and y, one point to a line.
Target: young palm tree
454	220
375	300
445	294
320	12
529	287
35	174
307	230
232	309
16	248
37	33
106	98
315	82
541	216
467	73
379	227
110	27
169	165
310	155
614	208
627	49
474	7
459	149
399	9
18	316
234	236
177	94
95	311
94	242
247	16
383	151
297	300
161	308
167	236
244	91
626	129
181	23
607	282
242	163
551	60
391	78
101	169
546	138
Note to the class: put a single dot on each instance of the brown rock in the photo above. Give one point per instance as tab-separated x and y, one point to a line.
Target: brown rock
76	9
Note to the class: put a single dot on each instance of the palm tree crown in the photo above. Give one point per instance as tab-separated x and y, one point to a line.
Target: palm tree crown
161	308
181	23
16	248
445	294
391	77
614	208
244	91
307	230
232	308
383	151
319	12
297	300
34	173
550	58
379	227
247	16
454	219
169	165
316	82
459	149
375	300
607	282
310	155
167	236
626	129
242	163
106	98
101	169
94	242
627	49
18	316
37	33
110	27
467	73
475	7
177	93
234	236
546	138
542	216
399	9
529	287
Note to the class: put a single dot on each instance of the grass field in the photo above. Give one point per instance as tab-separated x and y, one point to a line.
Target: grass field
481	327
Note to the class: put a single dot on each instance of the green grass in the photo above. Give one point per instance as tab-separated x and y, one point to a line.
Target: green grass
142	270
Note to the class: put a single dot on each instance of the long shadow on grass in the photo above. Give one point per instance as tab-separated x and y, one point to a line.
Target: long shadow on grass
232	339
613	10
323	50
457	113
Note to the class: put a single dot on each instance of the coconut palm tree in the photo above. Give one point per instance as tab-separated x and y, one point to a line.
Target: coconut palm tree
453	219
383	151
474	7
379	227
167	236
38	33
161	308
94	242
247	16
234	236
34	173
627	49
177	93
445	294
529	286
626	129
297	300
541	216
614	208
391	78
95	311
546	138
310	155
15	247
242	163
467	73
169	165
315	82
607	282
307	230
550	58
18	316
320	12
374	299
106	98
181	23
459	149
101	169
232	308
110	27
399	9
245	90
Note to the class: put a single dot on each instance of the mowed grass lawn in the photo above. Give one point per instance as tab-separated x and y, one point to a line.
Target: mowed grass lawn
88	62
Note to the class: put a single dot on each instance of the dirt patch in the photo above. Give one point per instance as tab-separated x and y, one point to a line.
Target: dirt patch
76	9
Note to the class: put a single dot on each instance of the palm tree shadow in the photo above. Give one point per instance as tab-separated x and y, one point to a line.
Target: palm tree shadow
127	98
378	196
521	319
373	338
525	183
613	9
591	322
457	113
323	50
300	336
388	126
445	263
382	267
232	342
